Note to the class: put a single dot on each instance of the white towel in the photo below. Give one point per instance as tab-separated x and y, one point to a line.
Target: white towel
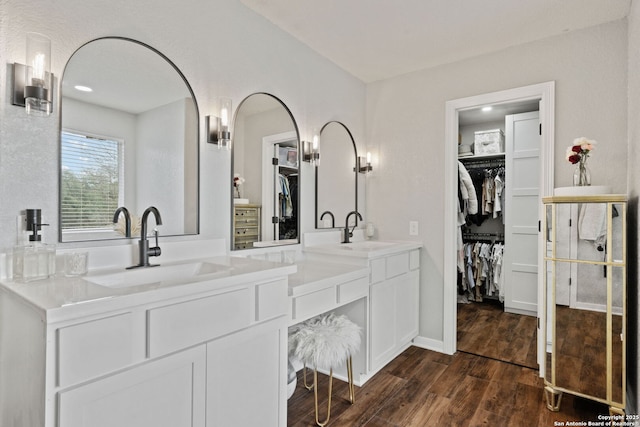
592	222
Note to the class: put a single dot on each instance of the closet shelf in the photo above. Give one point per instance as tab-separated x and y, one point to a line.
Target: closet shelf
483	156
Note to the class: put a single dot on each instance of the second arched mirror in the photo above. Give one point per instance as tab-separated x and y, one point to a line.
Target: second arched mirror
336	176
265	174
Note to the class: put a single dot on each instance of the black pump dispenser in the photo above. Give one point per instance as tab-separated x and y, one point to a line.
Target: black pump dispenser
34	224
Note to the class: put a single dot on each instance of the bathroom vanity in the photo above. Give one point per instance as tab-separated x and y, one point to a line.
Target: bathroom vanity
186	344
394	282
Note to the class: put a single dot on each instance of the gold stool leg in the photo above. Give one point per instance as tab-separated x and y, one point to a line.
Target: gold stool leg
352	389
315	393
553	398
304	378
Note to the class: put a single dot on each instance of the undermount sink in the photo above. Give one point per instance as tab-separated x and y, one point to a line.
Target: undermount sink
160	274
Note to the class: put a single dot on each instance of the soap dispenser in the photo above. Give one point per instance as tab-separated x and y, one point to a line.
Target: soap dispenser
32	259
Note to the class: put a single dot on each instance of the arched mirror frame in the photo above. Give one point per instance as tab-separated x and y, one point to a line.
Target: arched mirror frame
231	178
196	132
355	171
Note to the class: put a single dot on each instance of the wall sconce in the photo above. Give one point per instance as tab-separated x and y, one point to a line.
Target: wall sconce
218	128
32	82
312	149
367	164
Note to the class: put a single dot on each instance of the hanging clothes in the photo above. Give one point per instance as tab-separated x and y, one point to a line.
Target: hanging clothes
286	206
467	205
483	273
489	183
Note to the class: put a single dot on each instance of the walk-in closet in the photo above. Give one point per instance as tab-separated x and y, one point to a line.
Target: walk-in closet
498	195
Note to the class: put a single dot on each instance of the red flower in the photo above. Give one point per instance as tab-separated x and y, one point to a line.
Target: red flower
574	159
576	149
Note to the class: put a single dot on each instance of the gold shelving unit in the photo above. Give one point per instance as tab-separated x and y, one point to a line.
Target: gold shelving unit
585	341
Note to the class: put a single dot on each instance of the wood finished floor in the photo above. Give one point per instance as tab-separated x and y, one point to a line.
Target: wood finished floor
486	330
425	388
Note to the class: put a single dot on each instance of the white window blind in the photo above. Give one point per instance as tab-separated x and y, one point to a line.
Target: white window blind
91	181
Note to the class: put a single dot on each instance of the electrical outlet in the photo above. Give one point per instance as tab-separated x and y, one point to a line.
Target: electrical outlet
413	228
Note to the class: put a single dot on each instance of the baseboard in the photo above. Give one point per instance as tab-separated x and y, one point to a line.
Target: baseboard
521	311
429	344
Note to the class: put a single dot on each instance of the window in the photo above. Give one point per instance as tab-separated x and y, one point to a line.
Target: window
91	182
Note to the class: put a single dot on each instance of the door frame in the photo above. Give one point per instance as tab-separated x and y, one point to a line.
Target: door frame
545	93
269	180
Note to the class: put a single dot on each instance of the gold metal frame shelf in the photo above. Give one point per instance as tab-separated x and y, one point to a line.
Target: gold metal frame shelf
565	367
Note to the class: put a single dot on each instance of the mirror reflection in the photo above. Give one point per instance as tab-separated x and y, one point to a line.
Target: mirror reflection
266	160
585	291
336	176
129	138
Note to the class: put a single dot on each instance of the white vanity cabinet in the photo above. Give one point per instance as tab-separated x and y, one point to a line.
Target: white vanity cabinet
394	297
166	392
394	289
193	355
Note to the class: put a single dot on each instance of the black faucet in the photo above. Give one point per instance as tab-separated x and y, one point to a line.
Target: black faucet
143	245
349	233
333	218
127	219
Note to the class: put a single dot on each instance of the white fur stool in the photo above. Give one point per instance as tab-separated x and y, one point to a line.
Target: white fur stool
325	342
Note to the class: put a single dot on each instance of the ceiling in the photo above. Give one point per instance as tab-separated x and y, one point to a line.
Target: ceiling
379	39
123	75
497	112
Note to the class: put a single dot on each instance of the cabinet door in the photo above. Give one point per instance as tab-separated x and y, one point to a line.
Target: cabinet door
246	377
383	322
407	294
168	392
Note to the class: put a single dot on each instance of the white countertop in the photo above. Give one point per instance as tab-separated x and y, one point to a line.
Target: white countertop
315	275
364	249
63	297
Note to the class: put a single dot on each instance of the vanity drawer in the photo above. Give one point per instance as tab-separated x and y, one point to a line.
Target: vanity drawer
397	264
272	300
90	349
391	266
352	290
182	325
314	303
378	270
414	260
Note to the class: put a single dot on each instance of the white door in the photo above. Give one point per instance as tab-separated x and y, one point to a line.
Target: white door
522	213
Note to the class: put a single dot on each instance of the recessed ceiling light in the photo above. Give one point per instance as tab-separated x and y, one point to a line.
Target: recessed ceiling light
83	88
488	108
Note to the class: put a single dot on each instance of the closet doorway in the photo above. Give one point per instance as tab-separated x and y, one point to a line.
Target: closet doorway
526	167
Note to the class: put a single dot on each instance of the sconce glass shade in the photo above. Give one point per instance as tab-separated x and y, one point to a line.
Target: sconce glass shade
364	163
37	83
224	132
312	149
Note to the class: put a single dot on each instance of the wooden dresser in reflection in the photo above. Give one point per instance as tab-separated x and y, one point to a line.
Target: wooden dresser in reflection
246	225
585	293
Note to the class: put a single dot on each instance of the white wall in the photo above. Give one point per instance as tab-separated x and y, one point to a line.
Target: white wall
223	49
406	124
160	166
633	361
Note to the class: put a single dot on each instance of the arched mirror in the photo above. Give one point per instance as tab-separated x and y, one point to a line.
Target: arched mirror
336	176
129	137
266	159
